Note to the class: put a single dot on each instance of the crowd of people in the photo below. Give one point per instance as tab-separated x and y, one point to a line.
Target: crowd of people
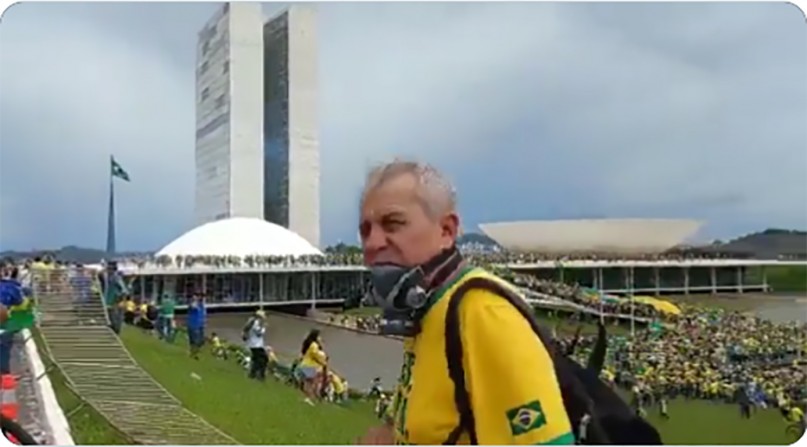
704	353
354	258
578	295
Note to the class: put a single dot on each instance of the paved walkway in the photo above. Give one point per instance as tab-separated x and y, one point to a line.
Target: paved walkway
31	412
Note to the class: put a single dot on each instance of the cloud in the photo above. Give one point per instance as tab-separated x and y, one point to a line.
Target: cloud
536	110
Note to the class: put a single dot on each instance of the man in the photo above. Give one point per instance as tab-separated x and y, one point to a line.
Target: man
254	331
197	316
10	296
114	291
165	322
409	224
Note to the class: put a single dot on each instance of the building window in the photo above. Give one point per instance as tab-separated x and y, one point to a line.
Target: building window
203	68
205	47
205	93
226	68
220	101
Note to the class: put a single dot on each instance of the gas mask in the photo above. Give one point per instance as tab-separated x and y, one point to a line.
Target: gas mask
402	293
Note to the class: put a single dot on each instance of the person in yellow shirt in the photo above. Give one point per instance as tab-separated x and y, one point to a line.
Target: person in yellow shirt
408	229
129	310
337	388
312	366
219	351
795	414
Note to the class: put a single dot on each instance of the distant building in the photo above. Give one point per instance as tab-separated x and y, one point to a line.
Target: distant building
257	147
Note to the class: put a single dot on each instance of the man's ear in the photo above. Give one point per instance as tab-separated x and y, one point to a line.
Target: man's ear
451	226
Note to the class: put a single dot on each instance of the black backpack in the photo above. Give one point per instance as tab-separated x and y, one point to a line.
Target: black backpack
609	419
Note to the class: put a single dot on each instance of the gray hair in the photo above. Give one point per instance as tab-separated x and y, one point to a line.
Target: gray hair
435	192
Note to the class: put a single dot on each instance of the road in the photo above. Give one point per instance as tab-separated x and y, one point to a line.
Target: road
361	357
358	357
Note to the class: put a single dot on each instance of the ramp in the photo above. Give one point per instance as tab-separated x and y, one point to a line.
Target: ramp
74	326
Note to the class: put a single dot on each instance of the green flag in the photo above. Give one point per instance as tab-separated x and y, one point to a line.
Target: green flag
20	317
117	171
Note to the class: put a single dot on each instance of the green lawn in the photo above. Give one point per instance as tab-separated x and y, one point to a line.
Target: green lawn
272	413
87	426
702	422
251	412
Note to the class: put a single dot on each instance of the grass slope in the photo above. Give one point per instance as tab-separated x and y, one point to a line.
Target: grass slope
250	412
272	413
87	426
711	423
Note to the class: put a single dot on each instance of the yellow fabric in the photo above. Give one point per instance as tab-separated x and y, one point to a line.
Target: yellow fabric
507	369
796	414
338	384
314	357
660	305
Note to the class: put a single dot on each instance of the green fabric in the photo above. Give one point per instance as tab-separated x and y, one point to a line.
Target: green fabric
436	296
567	439
20	317
167	307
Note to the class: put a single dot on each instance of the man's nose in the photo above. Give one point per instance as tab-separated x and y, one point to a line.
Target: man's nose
374	240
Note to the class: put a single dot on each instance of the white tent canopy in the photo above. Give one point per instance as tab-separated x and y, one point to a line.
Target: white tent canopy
239	236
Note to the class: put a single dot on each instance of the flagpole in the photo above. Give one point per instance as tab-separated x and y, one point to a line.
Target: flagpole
110	229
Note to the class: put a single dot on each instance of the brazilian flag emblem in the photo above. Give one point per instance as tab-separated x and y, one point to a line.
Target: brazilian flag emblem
526	418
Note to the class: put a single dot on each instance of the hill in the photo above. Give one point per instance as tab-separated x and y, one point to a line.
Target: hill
769	244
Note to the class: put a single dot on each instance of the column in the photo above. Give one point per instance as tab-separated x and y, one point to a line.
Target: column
595	283
765	287
713	277
601	281
686	280
314	290
260	289
739	279
626	272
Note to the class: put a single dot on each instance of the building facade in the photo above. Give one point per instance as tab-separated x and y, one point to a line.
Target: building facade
229	114
291	142
257	145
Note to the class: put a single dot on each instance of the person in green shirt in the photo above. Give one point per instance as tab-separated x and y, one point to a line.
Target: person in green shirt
165	322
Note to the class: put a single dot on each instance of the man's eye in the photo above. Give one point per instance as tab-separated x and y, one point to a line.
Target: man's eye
393	224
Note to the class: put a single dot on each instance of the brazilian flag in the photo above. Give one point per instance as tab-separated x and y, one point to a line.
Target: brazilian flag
526	418
20	317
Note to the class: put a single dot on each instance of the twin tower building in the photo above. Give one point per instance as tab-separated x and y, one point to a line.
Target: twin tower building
257	147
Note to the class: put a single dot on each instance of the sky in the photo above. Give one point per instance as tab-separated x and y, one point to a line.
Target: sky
533	110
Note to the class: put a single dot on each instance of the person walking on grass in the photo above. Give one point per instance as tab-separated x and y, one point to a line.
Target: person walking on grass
254	332
166	323
197	316
312	366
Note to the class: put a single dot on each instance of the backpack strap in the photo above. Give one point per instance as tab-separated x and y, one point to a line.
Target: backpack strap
454	352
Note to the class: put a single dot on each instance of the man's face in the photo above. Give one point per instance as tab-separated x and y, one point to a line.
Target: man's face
395	228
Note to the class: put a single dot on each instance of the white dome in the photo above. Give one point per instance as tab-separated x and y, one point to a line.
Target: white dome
239	236
603	235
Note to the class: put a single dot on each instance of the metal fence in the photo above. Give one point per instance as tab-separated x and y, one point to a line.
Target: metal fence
74	325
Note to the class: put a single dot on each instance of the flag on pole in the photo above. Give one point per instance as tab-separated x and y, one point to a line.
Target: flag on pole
118	171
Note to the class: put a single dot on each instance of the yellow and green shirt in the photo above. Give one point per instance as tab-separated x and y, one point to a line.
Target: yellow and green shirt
509	375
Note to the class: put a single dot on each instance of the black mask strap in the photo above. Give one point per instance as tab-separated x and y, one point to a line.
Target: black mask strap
441	267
